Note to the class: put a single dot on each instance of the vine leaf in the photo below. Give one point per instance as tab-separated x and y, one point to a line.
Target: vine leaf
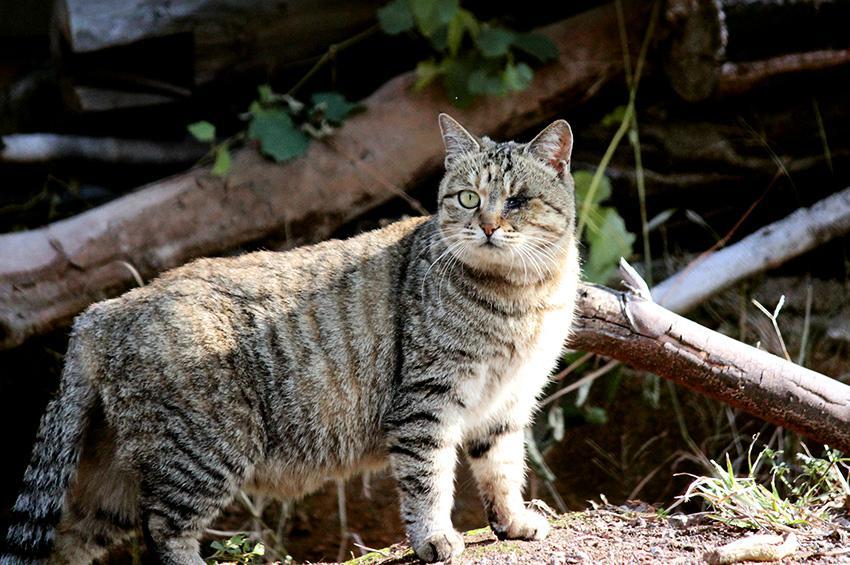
333	106
433	15
517	77
395	17
278	136
426	72
538	46
221	166
495	41
202	131
482	81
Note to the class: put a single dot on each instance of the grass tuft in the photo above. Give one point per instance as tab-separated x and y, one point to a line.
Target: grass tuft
808	492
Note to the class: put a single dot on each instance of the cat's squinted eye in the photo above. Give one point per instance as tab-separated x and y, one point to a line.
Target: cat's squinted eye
515	202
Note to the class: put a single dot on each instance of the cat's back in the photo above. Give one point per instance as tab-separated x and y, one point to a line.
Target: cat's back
216	306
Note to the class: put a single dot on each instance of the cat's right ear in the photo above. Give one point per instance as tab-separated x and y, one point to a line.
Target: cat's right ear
457	140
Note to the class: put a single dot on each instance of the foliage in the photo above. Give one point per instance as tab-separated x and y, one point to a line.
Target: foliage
238	549
281	125
607	238
471	57
803	494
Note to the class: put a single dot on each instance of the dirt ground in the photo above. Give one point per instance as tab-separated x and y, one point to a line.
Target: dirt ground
621	535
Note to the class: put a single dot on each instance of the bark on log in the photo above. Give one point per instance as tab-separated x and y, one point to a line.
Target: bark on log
50	274
646	336
766	248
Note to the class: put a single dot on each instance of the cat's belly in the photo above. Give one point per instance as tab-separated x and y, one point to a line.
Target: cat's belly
283	479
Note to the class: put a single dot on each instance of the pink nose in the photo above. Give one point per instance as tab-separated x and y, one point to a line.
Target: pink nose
488	229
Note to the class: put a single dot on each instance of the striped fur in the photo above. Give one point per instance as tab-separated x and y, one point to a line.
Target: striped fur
274	372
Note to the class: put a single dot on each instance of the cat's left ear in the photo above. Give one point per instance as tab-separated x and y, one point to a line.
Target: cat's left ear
553	146
457	140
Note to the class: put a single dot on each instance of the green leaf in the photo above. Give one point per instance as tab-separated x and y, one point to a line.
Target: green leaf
608	241
484	81
278	136
395	17
426	72
470	22
267	95
334	105
538	46
440	39
433	14
222	161
494	41
455	34
517	77
582	186
202	131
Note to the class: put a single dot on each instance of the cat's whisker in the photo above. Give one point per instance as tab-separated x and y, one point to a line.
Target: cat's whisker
546	261
535	264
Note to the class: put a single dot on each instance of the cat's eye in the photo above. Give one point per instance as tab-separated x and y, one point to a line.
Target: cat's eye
468	198
515	202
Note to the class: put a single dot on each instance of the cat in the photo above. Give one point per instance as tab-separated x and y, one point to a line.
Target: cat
276	371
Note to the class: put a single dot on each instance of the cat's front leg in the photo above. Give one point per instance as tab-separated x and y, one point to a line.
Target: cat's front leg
497	460
423	454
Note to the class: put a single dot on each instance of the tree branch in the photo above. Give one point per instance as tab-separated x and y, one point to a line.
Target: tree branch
766	248
640	333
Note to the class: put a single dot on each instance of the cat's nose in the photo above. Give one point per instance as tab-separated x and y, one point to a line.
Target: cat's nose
488	229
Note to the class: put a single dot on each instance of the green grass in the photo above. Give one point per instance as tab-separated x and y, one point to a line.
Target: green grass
806	492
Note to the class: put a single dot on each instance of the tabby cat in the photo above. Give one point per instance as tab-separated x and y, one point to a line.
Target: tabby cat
274	372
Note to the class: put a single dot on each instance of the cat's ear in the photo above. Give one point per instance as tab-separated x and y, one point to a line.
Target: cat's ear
553	146
457	140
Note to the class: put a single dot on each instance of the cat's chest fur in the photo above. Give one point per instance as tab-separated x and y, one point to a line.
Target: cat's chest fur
513	383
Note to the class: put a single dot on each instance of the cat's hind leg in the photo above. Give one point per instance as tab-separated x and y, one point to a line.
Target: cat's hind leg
184	486
101	510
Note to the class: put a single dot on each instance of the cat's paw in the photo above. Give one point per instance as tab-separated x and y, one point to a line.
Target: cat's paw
527	525
440	546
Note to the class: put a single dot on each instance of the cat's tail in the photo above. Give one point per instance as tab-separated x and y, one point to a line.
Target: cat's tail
53	464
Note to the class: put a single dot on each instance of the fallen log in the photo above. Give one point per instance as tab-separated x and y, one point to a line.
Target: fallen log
50	274
46	147
766	248
716	48
631	328
220	35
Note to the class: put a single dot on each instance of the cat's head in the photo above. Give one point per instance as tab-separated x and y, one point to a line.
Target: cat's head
507	208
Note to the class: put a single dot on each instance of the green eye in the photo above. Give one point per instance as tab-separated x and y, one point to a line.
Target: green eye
468	198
